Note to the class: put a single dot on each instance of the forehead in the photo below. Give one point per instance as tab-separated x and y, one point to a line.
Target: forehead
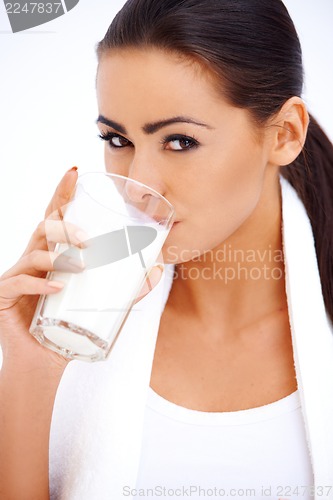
152	77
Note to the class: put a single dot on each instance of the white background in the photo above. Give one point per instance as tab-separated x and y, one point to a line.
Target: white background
48	108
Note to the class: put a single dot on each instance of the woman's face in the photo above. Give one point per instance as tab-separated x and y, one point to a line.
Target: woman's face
167	127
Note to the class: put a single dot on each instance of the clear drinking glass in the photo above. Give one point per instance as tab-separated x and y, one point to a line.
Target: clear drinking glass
126	223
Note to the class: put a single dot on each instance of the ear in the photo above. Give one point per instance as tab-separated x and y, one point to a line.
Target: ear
288	129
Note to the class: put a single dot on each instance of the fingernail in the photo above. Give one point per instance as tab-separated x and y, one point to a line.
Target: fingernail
160	266
154	276
73	169
56	284
81	236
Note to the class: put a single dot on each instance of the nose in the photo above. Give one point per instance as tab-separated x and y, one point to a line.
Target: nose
146	200
146	182
145	186
136	191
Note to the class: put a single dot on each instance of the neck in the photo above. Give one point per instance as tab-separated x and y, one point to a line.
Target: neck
242	279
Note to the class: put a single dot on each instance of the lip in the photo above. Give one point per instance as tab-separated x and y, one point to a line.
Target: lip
159	220
163	219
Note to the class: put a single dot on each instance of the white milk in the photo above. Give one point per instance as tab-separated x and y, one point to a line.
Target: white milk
95	300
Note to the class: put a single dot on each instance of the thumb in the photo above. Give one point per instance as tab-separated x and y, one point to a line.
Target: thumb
152	280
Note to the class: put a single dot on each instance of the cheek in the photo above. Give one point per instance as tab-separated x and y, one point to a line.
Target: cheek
217	201
237	187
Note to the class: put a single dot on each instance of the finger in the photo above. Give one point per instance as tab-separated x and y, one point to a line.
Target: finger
152	280
14	287
56	207
50	232
39	261
63	192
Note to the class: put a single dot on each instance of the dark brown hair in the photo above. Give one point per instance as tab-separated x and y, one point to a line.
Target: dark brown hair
253	48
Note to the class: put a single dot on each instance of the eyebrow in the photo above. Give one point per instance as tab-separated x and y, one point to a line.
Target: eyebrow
151	128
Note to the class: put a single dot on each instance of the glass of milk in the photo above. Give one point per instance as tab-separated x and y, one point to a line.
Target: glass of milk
126	223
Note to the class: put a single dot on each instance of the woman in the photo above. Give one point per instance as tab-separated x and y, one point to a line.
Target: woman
201	101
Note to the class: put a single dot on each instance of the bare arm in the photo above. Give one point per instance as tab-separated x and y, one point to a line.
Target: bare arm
26	404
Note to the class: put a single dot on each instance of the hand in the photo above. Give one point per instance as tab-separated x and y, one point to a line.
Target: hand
20	288
22	284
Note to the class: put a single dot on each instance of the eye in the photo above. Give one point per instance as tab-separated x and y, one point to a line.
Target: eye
115	140
179	142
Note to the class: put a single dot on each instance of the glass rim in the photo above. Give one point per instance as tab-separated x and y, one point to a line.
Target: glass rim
110	174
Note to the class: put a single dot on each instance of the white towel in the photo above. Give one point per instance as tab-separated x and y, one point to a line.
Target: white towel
312	334
98	415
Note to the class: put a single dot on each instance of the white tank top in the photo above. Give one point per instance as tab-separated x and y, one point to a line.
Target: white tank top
259	453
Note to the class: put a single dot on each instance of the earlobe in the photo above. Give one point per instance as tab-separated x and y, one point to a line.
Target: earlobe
289	129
